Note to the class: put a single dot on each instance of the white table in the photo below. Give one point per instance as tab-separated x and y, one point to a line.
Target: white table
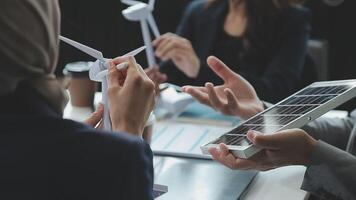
278	184
275	184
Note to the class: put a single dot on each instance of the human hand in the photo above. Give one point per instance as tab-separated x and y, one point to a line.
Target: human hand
95	119
235	97
131	96
289	147
180	50
156	76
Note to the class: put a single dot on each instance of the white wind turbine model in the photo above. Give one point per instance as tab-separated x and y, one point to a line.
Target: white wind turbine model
99	71
142	12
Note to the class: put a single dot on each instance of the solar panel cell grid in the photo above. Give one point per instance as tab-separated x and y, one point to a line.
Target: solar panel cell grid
324	90
307	100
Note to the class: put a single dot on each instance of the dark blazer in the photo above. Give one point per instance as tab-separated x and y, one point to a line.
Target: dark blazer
43	156
274	71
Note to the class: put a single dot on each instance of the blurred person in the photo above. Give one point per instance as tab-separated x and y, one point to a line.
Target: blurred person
44	156
264	41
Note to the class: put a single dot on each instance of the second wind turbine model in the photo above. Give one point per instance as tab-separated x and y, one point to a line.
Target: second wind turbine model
142	12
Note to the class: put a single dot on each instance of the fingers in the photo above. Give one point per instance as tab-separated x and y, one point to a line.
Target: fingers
232	101
113	76
158	40
120	60
198	93
271	142
156	76
134	68
169	42
220	68
213	97
161	78
163	38
223	155
95	117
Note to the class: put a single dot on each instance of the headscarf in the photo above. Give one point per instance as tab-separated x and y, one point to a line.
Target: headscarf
29	47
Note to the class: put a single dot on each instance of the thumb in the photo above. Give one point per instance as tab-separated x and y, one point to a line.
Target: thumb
272	142
95	117
220	68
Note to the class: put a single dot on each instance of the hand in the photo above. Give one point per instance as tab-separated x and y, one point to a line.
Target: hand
173	47
236	97
289	147
156	76
131	97
95	119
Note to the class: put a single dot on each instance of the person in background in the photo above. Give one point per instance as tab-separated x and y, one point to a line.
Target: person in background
326	147
264	41
44	156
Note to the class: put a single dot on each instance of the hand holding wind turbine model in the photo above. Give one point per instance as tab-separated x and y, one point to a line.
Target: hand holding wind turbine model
99	71
142	12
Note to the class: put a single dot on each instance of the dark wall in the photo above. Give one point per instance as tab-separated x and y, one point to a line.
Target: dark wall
338	26
100	24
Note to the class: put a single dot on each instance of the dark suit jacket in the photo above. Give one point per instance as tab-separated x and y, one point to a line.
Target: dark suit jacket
43	156
274	72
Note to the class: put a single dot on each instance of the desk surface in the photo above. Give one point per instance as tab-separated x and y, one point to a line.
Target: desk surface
194	179
273	185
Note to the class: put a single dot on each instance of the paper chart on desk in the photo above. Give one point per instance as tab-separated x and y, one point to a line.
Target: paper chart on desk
183	139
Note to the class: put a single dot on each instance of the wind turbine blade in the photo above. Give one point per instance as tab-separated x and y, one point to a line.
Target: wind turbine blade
153	25
151	4
88	50
136	51
130	2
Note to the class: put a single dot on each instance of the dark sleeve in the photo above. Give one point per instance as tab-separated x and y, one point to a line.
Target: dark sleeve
282	75
140	183
185	29
331	174
121	165
334	131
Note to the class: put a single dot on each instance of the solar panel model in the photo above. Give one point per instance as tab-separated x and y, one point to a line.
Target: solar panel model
294	112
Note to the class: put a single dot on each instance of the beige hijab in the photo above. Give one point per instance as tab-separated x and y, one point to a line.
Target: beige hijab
29	46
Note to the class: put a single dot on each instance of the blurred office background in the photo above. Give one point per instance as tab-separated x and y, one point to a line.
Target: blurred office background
100	24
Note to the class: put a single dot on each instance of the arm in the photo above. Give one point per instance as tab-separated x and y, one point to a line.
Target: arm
333	131
140	182
185	30
282	74
331	173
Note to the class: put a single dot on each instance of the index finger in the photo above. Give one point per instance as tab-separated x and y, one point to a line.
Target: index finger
198	94
220	68
120	59
113	75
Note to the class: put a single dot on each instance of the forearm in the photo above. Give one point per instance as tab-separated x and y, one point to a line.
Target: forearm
331	173
141	180
334	131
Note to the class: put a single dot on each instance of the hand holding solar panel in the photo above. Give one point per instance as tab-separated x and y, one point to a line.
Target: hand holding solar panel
288	147
293	112
236	97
